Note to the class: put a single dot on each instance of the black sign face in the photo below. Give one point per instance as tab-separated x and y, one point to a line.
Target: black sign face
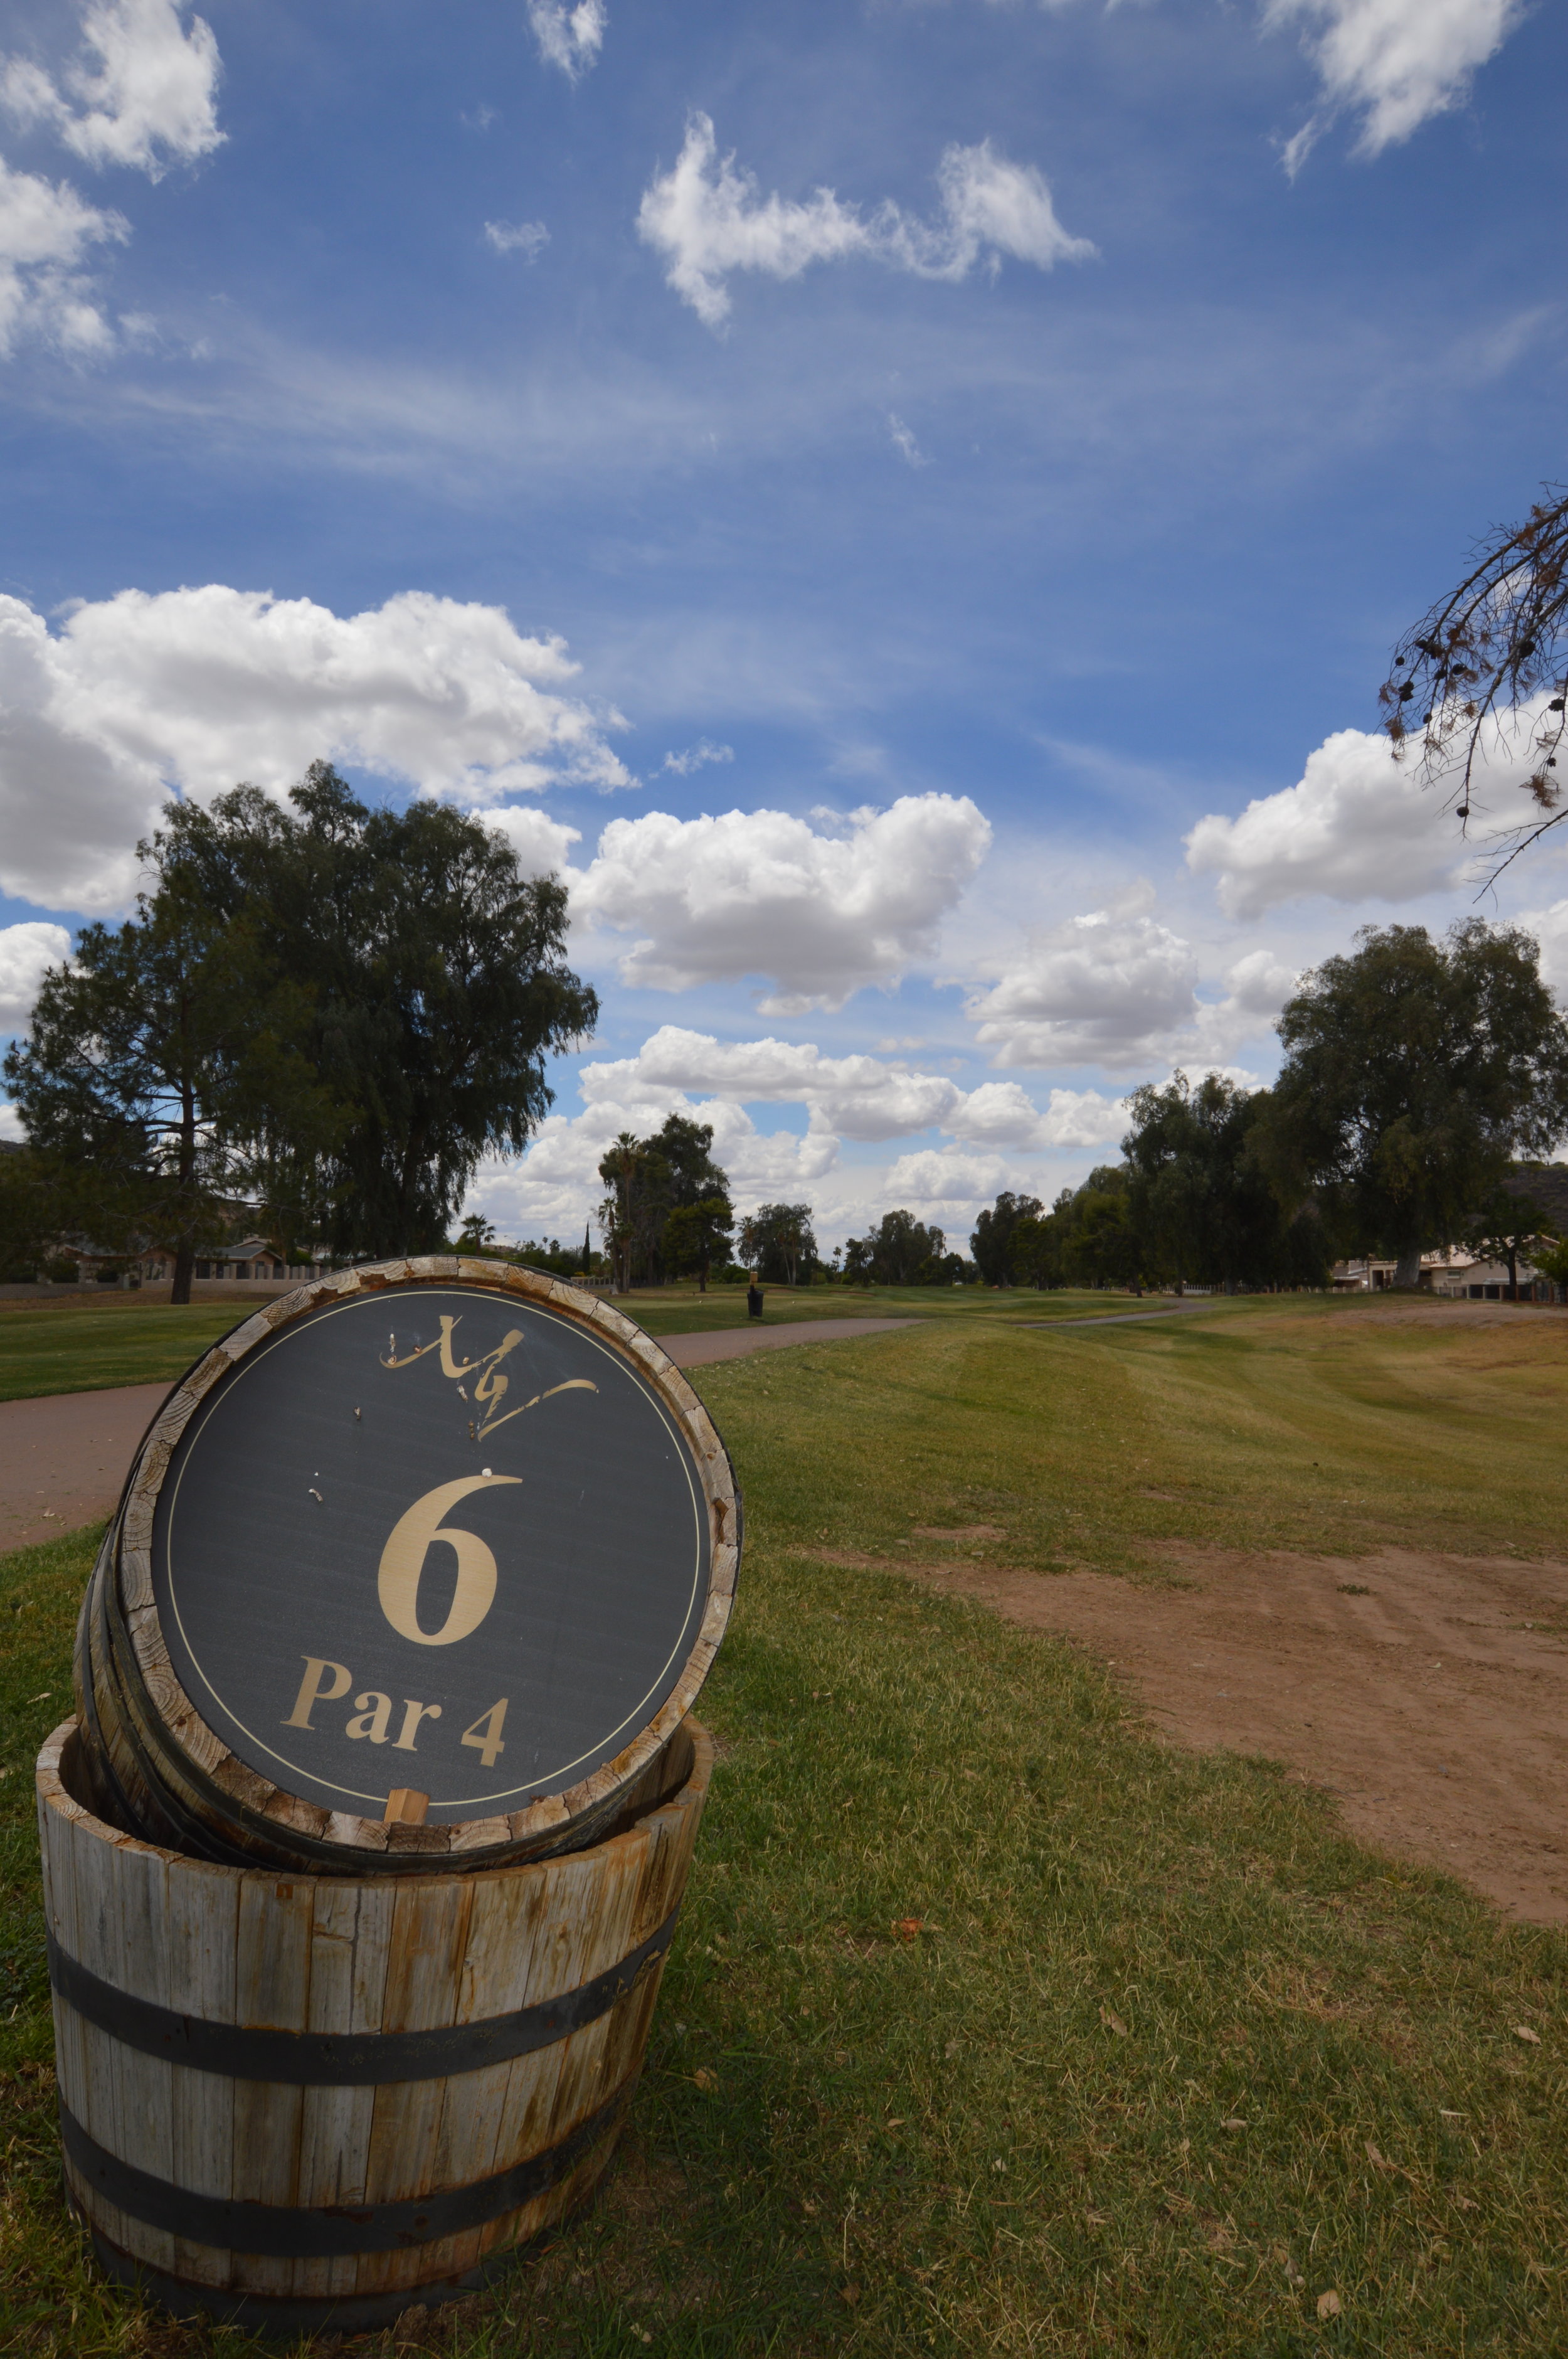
434	1538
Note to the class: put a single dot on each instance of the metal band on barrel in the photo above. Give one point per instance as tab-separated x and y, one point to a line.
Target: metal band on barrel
343	2058
322	2232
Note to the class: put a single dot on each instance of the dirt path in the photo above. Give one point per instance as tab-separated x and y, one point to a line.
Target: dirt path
1428	1693
64	1457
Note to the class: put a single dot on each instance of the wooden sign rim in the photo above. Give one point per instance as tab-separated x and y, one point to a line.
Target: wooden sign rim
257	1796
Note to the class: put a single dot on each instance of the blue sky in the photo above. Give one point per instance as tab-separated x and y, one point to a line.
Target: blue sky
907	505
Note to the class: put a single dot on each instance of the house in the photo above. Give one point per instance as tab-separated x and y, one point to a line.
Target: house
255	1261
1441	1272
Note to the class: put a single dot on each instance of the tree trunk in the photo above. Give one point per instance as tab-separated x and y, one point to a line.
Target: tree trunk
1513	1273
185	1252
1407	1268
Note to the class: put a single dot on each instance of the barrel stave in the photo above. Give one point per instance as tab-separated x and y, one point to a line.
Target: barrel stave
203	1945
272	1987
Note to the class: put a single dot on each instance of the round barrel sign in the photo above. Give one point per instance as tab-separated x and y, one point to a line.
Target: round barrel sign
442	1549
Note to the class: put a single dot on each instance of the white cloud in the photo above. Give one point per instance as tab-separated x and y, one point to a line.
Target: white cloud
570	38
855	1097
1399	62
1549	927
149	98
709	220
905	443
694	757
197	688
526	238
1082	1118
1110	988
760	893
1358	826
851	1097
556	1185
11	1121
25	951
938	1181
45	233
542	845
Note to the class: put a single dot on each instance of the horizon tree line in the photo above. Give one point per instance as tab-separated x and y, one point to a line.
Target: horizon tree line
320	1017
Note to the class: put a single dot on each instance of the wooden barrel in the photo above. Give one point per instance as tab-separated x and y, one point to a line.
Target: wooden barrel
306	2102
421	1567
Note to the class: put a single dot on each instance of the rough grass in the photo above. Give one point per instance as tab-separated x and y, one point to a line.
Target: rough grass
993	2025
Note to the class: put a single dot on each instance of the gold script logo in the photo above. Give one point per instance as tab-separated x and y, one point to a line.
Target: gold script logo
489	1386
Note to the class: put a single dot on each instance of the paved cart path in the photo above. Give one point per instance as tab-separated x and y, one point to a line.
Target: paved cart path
1118	1318
64	1457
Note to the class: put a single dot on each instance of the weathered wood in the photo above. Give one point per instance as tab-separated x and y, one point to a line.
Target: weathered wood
160	1739
452	1955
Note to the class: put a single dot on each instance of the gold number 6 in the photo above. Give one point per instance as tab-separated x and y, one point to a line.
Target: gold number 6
403	1562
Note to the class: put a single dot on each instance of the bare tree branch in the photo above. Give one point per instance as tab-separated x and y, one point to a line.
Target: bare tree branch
1479	659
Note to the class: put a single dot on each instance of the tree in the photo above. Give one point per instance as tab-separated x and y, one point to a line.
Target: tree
1551	1261
649	1181
992	1237
778	1241
1201	1201
1478	660
1036	1246
1103	1246
166	1074
1415	1072
695	1233
1522	1212
30	1214
899	1251
475	1234
621	1216
436	980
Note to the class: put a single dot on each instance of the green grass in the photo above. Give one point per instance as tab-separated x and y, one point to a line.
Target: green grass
74	1346
71	1347
675	1309
1013	2130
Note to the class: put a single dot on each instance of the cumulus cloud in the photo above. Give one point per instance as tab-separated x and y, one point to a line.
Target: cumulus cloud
1549	927
142	92
935	1180
857	1097
25	951
556	1185
1357	826
709	220
1110	988
760	893
695	758
543	844
527	238
570	38
46	232
196	689
852	1097
1396	62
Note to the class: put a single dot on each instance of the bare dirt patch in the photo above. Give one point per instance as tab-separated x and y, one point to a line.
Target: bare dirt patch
1429	1693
